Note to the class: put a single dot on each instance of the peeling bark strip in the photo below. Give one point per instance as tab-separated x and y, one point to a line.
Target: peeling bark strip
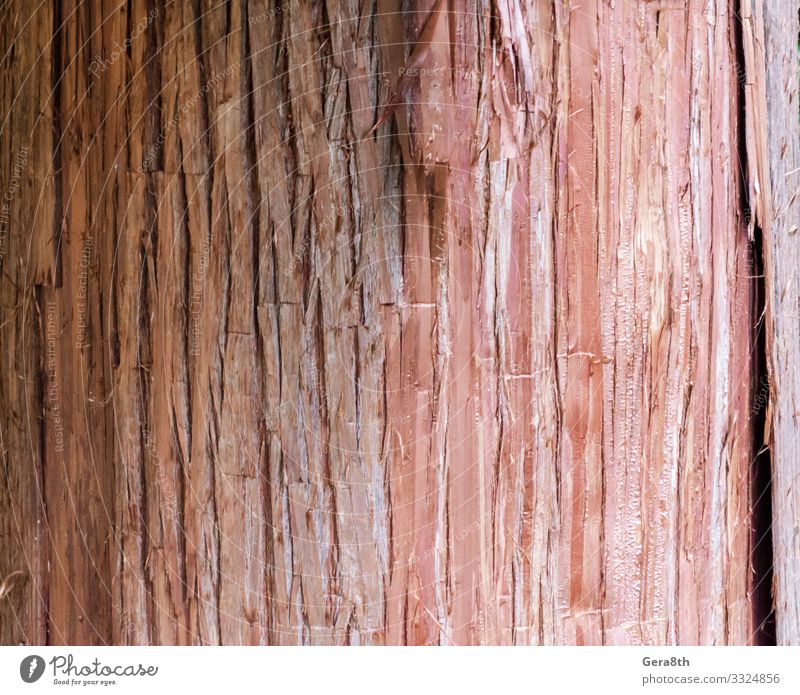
782	254
434	322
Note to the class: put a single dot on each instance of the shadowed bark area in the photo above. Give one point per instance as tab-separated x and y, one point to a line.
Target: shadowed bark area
357	322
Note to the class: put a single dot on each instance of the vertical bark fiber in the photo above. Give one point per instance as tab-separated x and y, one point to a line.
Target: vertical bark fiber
421	322
782	252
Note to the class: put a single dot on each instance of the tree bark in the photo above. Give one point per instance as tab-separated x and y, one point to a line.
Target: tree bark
435	322
783	256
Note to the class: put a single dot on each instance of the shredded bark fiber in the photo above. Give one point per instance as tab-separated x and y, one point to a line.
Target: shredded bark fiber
382	322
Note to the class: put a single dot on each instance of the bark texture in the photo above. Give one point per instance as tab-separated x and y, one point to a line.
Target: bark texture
356	322
783	258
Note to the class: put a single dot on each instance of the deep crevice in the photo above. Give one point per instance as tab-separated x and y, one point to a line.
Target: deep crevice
761	470
761	553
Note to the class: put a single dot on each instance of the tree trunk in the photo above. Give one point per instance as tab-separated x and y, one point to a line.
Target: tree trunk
435	322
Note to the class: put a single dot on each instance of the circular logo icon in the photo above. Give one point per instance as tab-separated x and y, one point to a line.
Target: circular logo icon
31	668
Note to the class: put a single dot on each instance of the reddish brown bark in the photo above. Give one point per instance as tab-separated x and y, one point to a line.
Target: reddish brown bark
480	374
